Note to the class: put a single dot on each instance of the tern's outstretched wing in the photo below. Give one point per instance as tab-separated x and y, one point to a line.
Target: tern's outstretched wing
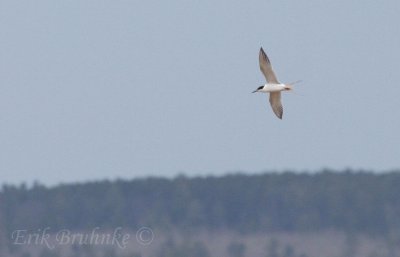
266	68
275	101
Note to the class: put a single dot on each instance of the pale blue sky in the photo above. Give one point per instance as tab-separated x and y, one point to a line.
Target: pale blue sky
105	89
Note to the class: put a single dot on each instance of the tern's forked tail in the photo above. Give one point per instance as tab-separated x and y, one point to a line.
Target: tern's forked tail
289	86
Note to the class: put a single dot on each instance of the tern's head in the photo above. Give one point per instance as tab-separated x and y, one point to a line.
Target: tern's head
258	89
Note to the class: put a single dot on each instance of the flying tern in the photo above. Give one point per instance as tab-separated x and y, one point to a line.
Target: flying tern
273	86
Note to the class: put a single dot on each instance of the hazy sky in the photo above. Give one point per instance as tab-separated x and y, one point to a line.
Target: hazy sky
106	89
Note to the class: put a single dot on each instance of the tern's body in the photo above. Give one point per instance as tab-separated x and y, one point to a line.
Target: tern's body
273	87
269	87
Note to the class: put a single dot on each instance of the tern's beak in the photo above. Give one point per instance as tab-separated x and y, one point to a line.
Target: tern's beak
254	91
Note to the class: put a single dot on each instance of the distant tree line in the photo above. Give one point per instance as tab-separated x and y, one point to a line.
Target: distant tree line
346	201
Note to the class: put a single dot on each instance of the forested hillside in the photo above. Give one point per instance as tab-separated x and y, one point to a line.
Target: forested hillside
346	201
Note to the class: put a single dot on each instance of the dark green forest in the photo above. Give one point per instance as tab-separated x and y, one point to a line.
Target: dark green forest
345	201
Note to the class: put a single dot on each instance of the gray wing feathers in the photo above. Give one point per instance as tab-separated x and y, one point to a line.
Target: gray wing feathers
266	68
275	101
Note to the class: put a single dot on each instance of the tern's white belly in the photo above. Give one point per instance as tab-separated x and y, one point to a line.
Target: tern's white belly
273	87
